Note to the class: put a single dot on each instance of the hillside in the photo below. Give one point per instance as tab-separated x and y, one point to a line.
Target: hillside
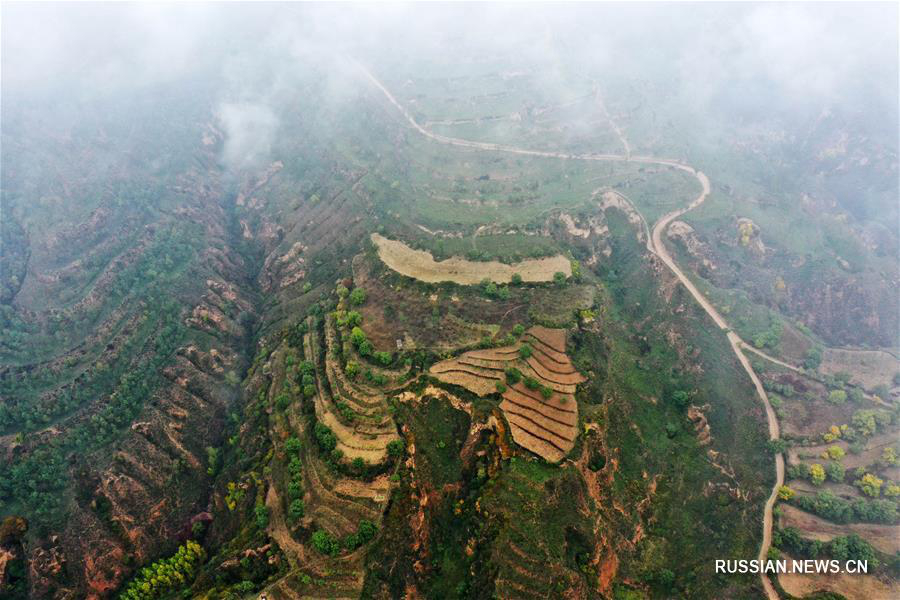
285	313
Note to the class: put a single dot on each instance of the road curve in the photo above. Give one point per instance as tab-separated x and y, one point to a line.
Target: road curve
657	247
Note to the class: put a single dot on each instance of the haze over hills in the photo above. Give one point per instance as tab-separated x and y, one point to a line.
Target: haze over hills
448	301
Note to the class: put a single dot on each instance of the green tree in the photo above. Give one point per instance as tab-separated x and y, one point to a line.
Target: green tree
516	279
293	445
813	358
835	472
325	543
837	396
559	278
357	296
870	485
396	448
681	398
351	369
296	510
262	516
357	336
816	474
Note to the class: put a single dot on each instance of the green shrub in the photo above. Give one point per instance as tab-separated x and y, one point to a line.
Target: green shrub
325	543
357	296
296	510
396	448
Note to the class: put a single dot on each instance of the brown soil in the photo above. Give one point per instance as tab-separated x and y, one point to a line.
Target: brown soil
869	368
852	587
545	426
420	265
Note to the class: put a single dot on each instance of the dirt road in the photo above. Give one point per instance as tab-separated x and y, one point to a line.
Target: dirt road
657	247
771	358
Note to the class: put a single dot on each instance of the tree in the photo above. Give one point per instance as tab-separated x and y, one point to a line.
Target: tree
525	351
813	358
546	392
833	453
325	438
816	474
852	547
357	336
516	279
366	531
282	401
864	422
870	485
262	515
837	396
396	448
295	489
559	278
351	369
513	375
293	445
212	460
889	456
518	330
777	446
785	493
681	398
835	472
385	358
501	387
325	543
357	296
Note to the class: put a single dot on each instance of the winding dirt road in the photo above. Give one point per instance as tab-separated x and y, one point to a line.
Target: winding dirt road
656	246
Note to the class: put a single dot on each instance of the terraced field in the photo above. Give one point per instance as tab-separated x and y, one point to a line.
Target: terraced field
543	418
370	429
421	265
334	503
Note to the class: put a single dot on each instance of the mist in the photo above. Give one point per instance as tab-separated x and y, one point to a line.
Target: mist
790	54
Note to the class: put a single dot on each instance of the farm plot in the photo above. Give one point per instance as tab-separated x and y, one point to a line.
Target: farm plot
421	265
868	368
357	415
541	409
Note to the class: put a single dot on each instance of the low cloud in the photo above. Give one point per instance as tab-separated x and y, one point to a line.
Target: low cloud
250	130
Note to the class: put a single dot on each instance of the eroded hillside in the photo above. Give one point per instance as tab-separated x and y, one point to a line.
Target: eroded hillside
328	324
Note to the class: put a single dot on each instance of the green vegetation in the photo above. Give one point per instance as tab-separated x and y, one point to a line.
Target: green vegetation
166	575
827	505
843	548
357	297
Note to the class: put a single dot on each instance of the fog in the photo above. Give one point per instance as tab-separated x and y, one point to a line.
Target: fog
745	60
